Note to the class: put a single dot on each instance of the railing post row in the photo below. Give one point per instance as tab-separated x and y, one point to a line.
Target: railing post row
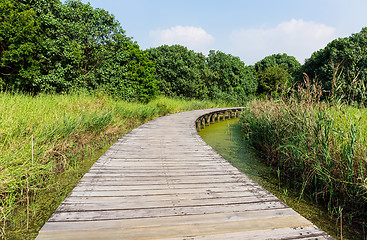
208	118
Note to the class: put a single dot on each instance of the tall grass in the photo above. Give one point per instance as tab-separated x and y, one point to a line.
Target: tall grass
320	148
65	130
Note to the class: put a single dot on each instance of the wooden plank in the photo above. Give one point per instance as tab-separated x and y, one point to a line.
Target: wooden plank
174	179
93	204
174	196
152	182
168	221
171	191
162	212
303	232
157	171
169	200
148	188
146	180
187	230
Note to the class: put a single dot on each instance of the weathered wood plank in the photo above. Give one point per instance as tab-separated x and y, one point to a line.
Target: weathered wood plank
304	232
123	180
168	221
140	180
95	204
162	212
171	197
164	200
171	191
229	186
187	230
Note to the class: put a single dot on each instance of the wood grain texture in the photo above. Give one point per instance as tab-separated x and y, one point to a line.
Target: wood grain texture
162	181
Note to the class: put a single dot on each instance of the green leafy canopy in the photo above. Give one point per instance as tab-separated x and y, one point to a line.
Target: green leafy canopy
54	47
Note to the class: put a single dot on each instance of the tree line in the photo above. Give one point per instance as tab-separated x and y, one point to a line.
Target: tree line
50	46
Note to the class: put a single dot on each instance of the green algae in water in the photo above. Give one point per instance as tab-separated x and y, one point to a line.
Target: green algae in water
226	138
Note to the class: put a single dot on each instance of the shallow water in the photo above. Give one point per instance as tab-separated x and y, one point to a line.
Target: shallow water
226	138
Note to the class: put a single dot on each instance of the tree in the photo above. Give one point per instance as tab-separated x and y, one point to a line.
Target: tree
284	61
180	72
232	79
275	73
342	66
128	73
273	80
19	41
71	46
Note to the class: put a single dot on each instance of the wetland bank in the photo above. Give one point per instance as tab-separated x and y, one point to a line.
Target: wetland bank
227	139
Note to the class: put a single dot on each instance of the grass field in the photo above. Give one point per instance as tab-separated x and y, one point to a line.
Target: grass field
319	148
47	138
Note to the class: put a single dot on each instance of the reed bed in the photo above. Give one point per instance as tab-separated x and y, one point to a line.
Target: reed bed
46	136
318	147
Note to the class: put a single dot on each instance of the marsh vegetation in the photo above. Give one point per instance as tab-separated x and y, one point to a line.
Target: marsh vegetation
72	82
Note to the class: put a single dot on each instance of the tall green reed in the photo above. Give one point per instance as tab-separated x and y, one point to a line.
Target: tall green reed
319	147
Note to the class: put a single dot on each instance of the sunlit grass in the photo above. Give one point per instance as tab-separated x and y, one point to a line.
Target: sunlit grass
65	129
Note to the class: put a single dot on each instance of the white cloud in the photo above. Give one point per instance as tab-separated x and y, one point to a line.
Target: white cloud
194	38
297	38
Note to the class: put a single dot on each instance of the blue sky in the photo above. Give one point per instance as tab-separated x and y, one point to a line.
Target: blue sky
250	29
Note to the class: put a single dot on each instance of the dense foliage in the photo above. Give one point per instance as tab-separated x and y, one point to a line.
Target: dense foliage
19	41
232	80
50	46
182	72
341	67
70	46
276	73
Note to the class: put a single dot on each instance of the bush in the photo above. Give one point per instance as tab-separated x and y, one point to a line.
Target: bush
276	74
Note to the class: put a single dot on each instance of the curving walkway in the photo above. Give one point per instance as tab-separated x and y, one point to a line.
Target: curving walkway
162	181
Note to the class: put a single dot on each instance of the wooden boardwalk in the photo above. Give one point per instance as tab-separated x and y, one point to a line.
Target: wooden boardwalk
162	181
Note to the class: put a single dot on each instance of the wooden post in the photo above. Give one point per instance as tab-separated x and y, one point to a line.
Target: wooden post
198	127
208	120
203	125
218	117
229	115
